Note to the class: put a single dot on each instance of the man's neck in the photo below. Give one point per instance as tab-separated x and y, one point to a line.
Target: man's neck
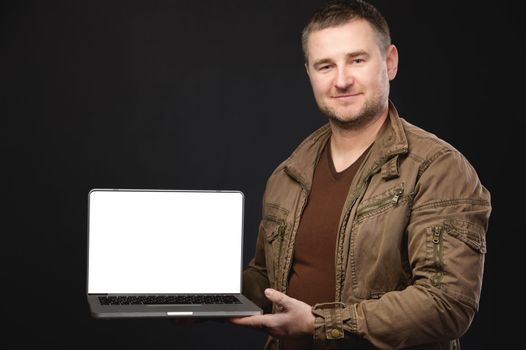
347	145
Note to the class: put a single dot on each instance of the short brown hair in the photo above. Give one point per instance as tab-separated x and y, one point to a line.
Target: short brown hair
338	12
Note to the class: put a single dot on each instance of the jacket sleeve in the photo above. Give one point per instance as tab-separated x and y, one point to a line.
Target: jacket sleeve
446	245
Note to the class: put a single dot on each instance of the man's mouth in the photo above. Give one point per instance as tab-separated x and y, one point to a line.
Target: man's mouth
345	96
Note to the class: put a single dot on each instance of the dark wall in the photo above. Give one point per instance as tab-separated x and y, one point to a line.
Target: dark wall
213	95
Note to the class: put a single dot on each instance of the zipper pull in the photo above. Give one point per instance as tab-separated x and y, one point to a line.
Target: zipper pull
397	195
437	234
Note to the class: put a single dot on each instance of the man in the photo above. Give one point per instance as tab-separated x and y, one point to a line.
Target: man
373	230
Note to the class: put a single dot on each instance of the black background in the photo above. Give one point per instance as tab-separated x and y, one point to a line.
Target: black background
213	95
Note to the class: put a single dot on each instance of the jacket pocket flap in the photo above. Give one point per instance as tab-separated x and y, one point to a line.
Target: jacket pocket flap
471	234
272	228
273	222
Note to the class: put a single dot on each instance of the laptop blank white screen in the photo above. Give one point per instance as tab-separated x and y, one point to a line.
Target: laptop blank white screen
165	242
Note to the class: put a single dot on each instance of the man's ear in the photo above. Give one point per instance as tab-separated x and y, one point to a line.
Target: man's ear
391	59
307	68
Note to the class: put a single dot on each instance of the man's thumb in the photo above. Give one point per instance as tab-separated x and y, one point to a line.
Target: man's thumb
277	297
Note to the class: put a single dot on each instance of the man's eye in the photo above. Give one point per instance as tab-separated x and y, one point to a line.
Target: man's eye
358	60
322	68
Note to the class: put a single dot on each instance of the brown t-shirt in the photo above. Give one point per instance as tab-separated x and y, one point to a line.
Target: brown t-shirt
313	274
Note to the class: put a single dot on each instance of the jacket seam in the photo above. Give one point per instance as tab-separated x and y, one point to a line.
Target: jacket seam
451	202
427	162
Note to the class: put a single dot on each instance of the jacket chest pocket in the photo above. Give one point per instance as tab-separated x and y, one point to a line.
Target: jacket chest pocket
273	230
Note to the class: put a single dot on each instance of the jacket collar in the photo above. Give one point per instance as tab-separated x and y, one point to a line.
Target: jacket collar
390	143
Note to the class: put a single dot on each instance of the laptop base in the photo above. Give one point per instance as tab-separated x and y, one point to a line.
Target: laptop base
245	308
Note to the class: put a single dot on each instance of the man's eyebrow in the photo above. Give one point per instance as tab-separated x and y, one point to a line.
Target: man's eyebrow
349	55
322	61
358	53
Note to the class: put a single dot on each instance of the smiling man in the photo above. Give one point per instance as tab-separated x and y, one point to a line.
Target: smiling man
350	73
373	230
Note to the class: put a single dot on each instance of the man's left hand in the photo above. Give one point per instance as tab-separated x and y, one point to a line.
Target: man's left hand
294	319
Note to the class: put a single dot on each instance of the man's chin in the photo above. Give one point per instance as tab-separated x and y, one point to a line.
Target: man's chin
352	118
341	117
348	121
342	123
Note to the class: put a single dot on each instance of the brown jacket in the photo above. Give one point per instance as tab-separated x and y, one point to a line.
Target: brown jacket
410	249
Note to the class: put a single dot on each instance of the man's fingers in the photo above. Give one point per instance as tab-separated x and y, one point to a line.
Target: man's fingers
258	321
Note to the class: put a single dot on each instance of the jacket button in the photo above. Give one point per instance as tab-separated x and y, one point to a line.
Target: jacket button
335	333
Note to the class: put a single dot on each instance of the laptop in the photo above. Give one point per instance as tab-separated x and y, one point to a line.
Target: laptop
165	253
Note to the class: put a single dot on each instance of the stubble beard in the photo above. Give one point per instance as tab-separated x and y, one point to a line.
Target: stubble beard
370	111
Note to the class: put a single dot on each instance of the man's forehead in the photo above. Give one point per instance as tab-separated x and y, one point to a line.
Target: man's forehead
352	36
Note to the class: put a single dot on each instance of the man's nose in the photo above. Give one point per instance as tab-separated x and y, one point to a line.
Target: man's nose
344	78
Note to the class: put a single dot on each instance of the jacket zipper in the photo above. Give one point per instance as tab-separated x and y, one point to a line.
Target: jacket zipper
387	201
288	261
341	233
437	256
279	236
292	238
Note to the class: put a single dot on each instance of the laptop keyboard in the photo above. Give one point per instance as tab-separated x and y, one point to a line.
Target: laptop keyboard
168	299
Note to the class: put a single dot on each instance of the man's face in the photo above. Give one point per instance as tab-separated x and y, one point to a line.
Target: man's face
349	74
